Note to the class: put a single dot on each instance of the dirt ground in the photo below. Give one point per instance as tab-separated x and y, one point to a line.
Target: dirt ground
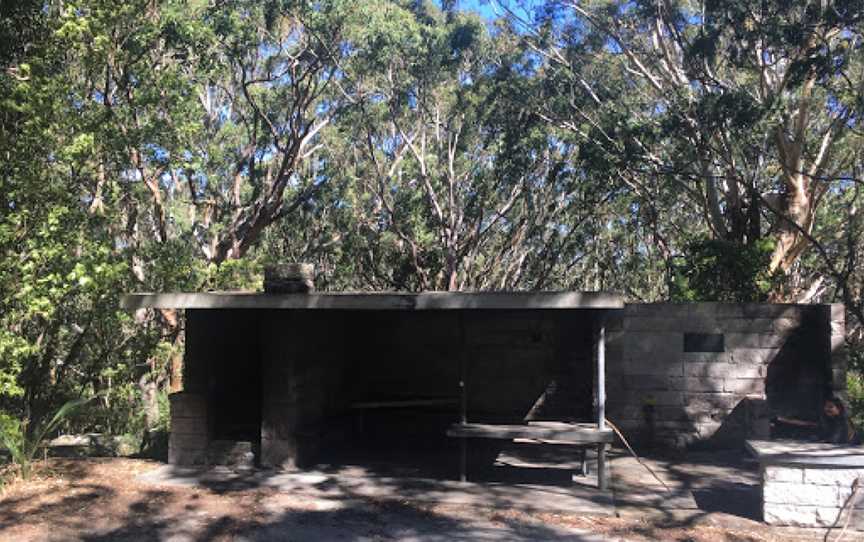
102	499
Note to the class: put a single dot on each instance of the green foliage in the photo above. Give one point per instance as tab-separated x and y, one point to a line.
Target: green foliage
715	270
23	442
181	145
855	389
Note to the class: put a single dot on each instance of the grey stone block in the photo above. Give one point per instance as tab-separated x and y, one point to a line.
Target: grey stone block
754	355
655	309
801	494
189	426
711	402
723	370
702	415
186	456
660	398
677	425
652	345
706	357
187	441
188	405
279	453
230	453
697	384
773	310
834	477
794	475
669	323
745	386
716	310
639	382
746	325
786	325
753	340
799	516
707	429
656	366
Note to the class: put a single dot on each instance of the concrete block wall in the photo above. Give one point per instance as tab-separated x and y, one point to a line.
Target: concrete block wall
188	442
303	354
774	360
839	355
777	359
808	496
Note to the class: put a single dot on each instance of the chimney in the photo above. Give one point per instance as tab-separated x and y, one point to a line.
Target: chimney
289	278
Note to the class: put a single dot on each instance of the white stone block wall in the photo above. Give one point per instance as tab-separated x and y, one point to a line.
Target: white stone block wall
810	497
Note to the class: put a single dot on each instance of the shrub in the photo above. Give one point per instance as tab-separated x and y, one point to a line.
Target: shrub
717	270
855	389
22	444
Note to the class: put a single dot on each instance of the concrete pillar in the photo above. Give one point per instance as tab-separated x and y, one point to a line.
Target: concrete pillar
188	442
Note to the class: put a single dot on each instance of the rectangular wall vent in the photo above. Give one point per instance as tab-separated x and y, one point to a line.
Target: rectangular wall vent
704	342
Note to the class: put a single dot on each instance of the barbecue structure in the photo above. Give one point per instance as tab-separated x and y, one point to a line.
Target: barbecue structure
440	383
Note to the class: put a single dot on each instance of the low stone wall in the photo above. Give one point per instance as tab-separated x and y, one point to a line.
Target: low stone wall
758	360
188	442
809	496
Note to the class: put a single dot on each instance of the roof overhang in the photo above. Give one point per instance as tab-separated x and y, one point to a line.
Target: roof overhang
376	301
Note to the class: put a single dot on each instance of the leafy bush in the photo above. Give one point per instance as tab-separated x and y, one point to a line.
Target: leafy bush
855	389
22	444
717	270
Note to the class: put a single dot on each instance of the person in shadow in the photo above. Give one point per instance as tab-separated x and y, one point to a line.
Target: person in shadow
834	425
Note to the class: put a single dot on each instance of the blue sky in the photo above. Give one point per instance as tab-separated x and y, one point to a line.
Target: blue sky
487	9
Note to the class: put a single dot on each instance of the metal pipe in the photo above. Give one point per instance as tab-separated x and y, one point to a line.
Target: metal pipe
601	375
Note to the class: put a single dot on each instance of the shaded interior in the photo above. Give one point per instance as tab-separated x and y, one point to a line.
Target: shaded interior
378	389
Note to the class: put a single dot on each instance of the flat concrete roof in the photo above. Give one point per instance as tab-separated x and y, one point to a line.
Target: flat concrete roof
375	300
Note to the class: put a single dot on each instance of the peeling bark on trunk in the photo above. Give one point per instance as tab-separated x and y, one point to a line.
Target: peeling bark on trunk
790	241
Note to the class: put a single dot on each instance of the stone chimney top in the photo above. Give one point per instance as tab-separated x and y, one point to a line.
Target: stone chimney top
289	278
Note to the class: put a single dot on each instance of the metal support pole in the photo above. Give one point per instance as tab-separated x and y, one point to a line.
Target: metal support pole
602	481
463	460
601	375
463	397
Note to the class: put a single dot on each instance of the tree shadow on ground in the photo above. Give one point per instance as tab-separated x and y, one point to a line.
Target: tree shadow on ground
354	520
703	485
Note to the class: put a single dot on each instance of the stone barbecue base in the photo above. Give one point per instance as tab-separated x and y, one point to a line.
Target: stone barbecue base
809	497
809	484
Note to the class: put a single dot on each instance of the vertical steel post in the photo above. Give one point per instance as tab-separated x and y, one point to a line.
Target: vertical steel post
463	397
602	475
601	374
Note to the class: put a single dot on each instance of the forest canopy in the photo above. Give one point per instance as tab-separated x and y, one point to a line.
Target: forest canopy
667	150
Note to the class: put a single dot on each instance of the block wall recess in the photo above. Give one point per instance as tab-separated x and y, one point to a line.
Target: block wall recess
187	444
839	356
776	360
809	497
302	355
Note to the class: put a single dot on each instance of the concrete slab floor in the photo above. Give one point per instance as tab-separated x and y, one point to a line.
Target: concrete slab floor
347	501
353	485
706	488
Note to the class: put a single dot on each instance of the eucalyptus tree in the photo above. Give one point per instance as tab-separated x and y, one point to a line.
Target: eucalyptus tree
204	122
748	111
441	178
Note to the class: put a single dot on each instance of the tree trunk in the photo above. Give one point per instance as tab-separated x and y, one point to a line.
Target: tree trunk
796	216
149	388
